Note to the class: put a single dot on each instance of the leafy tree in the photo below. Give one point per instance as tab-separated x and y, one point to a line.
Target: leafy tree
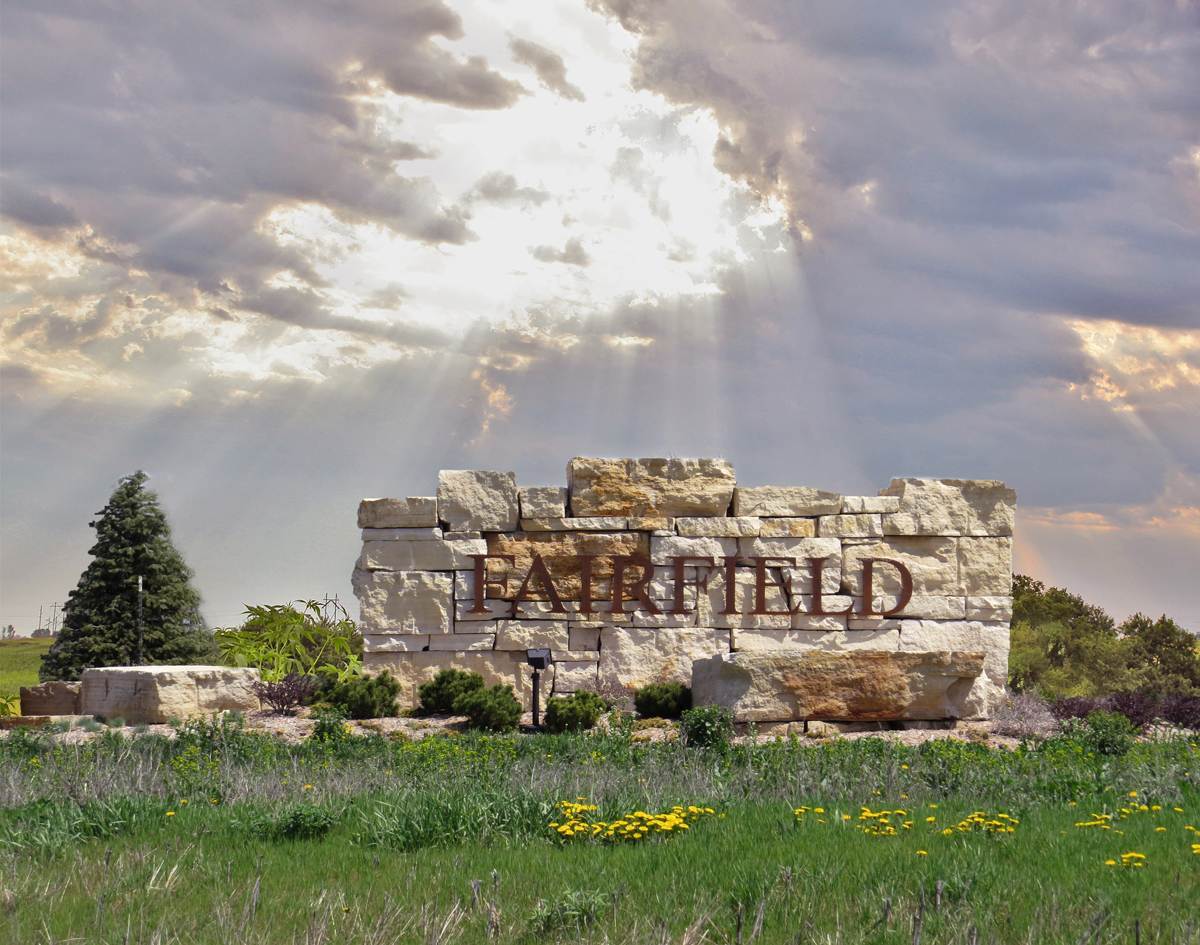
100	616
1163	656
1062	646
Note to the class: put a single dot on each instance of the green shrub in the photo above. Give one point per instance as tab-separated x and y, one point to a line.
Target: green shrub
574	713
365	697
1105	733
331	726
439	694
664	700
302	821
495	709
708	726
572	913
307	638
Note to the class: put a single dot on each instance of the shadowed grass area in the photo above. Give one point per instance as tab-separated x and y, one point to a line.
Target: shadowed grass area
19	664
222	836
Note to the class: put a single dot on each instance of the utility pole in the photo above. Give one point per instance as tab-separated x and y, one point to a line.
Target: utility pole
141	656
54	618
39	617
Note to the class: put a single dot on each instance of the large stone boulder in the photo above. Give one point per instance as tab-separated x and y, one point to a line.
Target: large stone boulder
950	507
650	487
156	694
860	685
50	698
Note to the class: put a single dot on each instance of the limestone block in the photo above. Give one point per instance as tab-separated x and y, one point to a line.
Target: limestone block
601	523
858	525
991	639
834	641
872	623
664	549
950	507
985	566
497	608
933	563
404	601
461	536
542	501
928	607
641	618
413	512
799	578
50	698
582	638
477	499
712	602
148	695
462	641
433	555
870	503
785	500
531	634
788	685
745	526
401	534
995	609
395	642
634	656
651	523
649	487
559	550
575	676
788	528
497	667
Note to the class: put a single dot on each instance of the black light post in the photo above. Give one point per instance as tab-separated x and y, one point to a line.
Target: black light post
539	660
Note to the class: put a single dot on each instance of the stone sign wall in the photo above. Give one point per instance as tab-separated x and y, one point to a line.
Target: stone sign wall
553	552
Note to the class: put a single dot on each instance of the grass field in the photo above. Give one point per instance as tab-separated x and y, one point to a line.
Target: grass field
19	662
225	836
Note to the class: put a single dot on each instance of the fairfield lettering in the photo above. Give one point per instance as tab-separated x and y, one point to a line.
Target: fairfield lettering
627	587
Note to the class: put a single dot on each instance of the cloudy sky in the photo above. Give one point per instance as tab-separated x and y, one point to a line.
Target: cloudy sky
285	254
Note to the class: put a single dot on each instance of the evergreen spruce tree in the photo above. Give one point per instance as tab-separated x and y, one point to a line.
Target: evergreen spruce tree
100	617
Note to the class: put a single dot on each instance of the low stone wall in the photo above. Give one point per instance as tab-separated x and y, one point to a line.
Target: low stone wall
556	548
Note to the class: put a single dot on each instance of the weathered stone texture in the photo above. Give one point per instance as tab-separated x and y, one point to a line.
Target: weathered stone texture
433	555
632	656
985	566
542	501
156	694
559	551
531	634
933	563
402	534
404	602
745	526
463	641
50	698
477	499
950	507
857	525
783	685
870	503
788	528
785	500
829	641
413	512
649	487
664	550
990	639
601	523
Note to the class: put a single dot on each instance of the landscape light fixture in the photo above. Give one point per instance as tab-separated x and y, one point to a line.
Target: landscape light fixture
539	659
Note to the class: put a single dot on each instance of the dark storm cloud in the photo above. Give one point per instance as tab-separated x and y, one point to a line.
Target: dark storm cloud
169	133
549	66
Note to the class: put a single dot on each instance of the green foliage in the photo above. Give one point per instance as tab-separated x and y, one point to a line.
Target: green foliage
365	697
330	727
19	663
495	709
437	697
1063	647
664	700
305	638
100	616
574	912
1105	733
575	713
1164	658
300	821
707	726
